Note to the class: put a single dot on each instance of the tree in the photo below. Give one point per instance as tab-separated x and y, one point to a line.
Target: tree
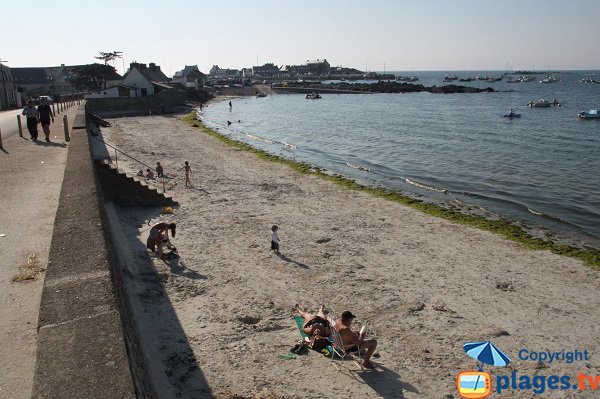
91	77
110	56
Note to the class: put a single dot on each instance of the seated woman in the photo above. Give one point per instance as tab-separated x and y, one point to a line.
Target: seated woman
159	235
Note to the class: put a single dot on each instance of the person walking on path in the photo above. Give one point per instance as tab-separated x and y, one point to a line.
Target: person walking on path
32	115
45	114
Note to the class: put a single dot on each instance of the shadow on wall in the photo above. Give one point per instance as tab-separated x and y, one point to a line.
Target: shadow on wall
161	351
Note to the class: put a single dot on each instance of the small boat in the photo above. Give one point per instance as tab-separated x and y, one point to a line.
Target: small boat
525	79
549	79
260	94
591	114
466	79
511	114
542	103
407	78
312	96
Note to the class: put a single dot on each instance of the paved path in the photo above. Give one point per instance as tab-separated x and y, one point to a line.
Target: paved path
30	180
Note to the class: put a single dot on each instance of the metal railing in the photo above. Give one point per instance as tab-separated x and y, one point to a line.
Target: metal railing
163	178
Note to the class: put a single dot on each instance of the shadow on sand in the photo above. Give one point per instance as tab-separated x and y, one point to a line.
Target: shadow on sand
385	382
171	367
179	268
288	260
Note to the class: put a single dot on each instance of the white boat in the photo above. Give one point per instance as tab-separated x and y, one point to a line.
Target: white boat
526	79
591	114
542	103
312	96
549	79
407	78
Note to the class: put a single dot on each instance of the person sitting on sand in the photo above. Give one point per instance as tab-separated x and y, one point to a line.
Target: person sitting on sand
353	340
149	174
140	173
159	235
159	170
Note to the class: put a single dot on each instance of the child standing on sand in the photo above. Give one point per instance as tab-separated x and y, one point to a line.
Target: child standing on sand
275	239
188	170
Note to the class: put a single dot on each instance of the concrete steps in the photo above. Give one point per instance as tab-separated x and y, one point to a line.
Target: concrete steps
126	190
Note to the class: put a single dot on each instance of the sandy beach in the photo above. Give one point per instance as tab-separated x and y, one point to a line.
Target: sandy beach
423	285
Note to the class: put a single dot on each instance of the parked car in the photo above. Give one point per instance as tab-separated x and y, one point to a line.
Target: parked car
49	99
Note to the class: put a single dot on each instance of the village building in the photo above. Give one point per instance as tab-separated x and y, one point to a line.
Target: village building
140	80
53	81
190	76
266	70
9	97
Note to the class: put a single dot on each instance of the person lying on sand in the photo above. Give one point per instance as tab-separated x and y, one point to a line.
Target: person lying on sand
352	340
315	324
317	327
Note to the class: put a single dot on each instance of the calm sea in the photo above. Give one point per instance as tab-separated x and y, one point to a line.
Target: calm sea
541	169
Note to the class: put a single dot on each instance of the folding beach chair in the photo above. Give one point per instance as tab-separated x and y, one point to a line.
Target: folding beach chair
300	323
338	348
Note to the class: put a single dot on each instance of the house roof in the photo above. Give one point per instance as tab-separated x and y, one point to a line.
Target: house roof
189	70
30	75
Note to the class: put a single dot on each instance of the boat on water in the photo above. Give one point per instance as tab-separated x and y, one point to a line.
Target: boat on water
543	103
549	79
589	80
466	79
525	79
407	78
591	114
512	114
260	94
312	96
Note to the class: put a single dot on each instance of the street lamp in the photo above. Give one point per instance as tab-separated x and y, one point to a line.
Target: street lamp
3	83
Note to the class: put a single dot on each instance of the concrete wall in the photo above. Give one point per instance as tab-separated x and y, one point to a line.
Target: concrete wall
159	103
81	346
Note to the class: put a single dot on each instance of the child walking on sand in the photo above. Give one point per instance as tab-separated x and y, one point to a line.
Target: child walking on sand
275	239
188	170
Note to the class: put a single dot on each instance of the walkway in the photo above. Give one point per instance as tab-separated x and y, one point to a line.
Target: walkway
31	180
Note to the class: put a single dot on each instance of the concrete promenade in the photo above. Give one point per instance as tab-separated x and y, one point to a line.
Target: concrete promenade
31	180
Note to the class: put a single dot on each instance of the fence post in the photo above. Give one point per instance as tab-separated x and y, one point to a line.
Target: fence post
66	125
117	159
1	140
20	126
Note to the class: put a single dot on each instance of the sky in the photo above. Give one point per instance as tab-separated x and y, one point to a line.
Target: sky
375	35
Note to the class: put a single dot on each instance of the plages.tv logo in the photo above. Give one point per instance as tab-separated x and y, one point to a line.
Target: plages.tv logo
478	384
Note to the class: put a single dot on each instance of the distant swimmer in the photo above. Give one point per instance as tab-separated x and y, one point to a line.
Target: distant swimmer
239	121
228	123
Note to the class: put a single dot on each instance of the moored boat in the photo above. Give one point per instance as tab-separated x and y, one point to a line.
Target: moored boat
542	103
260	94
312	96
591	114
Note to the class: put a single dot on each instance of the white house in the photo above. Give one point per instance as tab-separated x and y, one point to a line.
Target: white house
145	80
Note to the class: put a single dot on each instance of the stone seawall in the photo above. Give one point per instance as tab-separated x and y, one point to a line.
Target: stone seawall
81	347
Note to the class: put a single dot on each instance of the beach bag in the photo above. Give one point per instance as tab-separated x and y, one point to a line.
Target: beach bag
318	343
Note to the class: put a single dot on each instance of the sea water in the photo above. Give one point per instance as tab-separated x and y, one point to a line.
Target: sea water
541	169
